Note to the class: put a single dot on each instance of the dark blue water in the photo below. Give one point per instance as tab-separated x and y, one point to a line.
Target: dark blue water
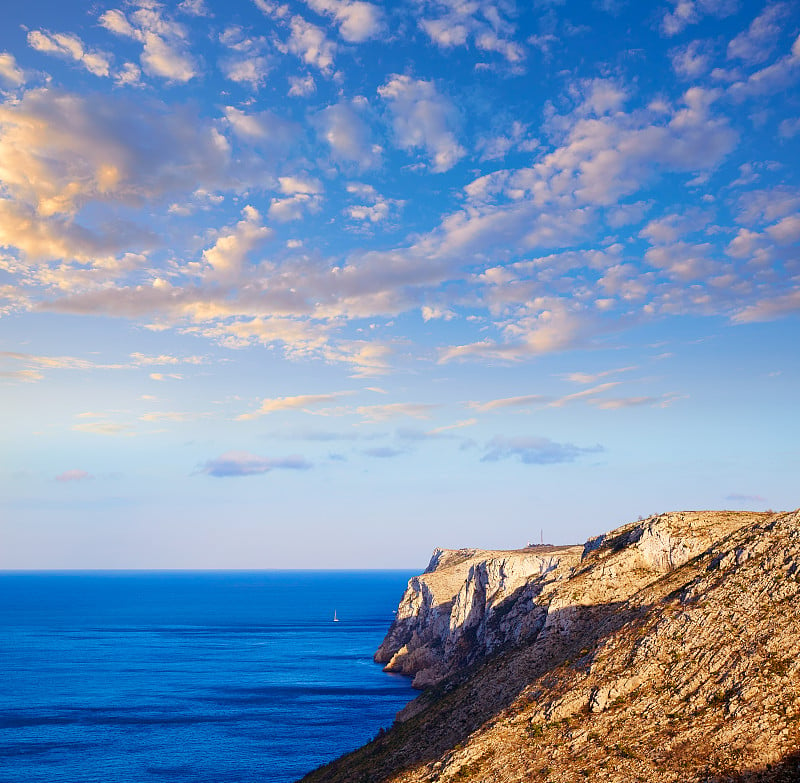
205	677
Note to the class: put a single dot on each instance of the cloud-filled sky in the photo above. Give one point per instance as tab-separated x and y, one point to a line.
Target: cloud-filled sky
328	283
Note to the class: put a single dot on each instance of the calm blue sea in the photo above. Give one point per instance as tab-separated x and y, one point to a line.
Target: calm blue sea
205	677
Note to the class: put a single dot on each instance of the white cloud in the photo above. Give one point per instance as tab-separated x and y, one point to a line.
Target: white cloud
516	138
586	378
129	75
143	360
787	230
300	86
691	61
609	157
300	402
522	401
423	118
303	194
165	52
451	23
272	134
71	47
247	63
757	43
311	45
436	313
373	207
227	256
688	12
194	8
10	72
545	326
771	308
397	409
60	153
771	79
343	127
358	21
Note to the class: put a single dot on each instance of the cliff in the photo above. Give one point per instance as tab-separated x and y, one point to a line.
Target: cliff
667	650
469	603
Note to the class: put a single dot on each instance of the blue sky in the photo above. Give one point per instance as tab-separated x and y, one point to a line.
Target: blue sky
330	283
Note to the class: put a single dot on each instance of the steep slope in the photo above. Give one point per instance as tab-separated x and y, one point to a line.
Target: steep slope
669	652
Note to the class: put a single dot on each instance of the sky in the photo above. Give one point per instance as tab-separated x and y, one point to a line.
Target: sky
330	283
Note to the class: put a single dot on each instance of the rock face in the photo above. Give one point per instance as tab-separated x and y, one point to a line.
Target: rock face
469	603
667	650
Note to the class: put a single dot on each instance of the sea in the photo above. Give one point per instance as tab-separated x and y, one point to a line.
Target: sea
205	677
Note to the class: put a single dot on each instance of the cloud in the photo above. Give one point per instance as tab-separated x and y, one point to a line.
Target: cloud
301	86
110	428
392	410
358	21
522	401
771	79
243	463
372	207
58	362
548	325
23	376
422	118
586	378
516	137
302	402
273	137
165	53
343	127
226	258
143	360
60	152
73	475
383	452
688	12
619	403
176	416
758	41
247	62
303	194
10	72
535	450
450	427
311	45
770	308
451	24
194	8
691	61
70	46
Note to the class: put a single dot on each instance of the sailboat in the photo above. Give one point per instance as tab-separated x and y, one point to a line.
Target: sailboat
335	618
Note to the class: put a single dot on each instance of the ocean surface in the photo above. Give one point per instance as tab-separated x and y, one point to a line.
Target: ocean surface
204	676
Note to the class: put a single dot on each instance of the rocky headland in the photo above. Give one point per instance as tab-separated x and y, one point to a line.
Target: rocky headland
665	650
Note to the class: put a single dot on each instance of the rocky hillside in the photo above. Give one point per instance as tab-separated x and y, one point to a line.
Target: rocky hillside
666	650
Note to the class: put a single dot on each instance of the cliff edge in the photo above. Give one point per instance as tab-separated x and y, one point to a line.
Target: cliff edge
666	650
470	603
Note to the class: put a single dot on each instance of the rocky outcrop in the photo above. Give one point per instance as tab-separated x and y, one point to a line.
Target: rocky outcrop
467	604
669	651
470	603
